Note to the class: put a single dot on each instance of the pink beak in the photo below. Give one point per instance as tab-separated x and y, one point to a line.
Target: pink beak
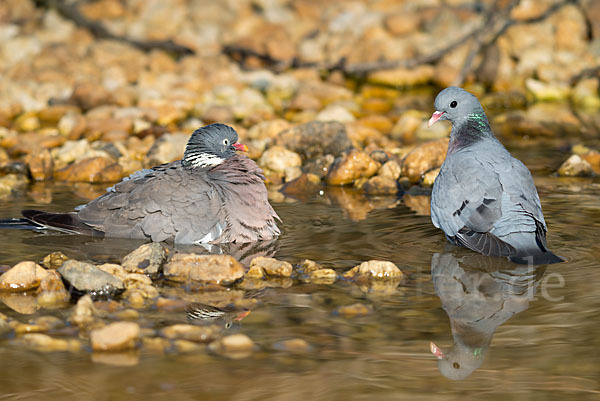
435	350
240	147
435	118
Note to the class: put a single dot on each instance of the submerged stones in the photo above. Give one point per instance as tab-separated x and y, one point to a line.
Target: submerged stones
87	278
117	336
374	270
218	269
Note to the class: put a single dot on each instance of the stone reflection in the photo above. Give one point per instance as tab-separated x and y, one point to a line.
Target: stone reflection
479	294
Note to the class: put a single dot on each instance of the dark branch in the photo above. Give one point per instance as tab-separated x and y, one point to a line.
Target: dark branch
71	12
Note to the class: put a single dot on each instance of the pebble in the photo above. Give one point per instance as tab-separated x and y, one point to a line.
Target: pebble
322	276
278	159
52	292
423	158
23	303
85	277
269	267
575	166
352	166
40	165
294	346
83	312
375	269
234	346
316	138
189	332
148	259
45	343
381	185
354	310
54	260
23	276
93	169
117	336
219	269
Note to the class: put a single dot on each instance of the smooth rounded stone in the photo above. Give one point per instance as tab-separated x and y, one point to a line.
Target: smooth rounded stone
190	332
23	303
10	183
316	138
124	359
402	77
335	113
85	277
155	344
268	129
117	336
270	267
147	259
167	148
294	346
546	91
83	312
52	292
375	269
72	125
219	269
302	187
54	260
381	124
23	328
350	167
45	343
423	158
593	158
40	165
22	277
71	151
186	346
380	185
27	122
575	166
354	310
322	276
234	346
319	166
93	169
429	177
278	159
308	266
52	114
390	169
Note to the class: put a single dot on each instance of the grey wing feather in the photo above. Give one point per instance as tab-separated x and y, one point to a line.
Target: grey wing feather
155	205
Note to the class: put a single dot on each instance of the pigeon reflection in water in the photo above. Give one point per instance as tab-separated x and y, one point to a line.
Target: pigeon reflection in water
478	294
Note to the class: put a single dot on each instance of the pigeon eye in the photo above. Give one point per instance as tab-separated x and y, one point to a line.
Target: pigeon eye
456	365
453	103
226	142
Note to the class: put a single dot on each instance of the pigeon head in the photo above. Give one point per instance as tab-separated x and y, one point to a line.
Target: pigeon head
459	362
459	107
211	145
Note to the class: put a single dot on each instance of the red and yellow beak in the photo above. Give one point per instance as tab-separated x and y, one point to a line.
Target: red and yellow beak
435	117
240	147
435	350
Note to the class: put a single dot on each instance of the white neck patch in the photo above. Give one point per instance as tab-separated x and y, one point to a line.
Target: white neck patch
201	160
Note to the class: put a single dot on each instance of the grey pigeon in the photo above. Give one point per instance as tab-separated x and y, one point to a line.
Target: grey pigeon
212	196
483	198
478	298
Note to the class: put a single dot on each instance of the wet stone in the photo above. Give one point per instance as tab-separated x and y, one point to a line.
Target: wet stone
302	187
350	167
423	158
294	346
85	277
354	310
45	343
52	292
234	346
117	336
147	259
189	332
93	169
375	269
315	139
270	267
23	303
54	260
322	276
219	269
278	159
83	312
22	277
575	166
380	185
40	165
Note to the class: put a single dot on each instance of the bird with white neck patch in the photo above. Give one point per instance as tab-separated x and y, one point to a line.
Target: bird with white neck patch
212	196
483	198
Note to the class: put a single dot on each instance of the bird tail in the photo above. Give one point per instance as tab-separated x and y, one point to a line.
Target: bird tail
539	257
64	222
19	224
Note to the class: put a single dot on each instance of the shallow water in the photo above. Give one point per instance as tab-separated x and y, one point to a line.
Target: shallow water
506	332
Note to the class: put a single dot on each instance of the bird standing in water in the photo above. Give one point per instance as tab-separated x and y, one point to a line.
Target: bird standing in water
212	196
483	198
